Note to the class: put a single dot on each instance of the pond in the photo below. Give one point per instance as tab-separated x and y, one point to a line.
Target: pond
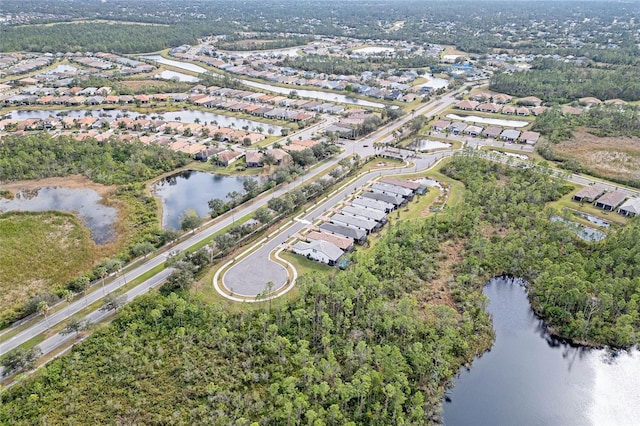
531	378
594	220
289	51
425	145
186	116
192	190
485	120
85	203
434	82
584	232
176	76
178	64
60	69
371	50
314	94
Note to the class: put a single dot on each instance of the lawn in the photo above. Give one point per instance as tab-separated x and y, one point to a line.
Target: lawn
304	265
40	252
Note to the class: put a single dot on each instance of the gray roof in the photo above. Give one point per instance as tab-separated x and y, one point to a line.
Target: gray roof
376	215
396	200
345	231
632	205
358	222
590	192
328	249
510	134
386	188
369	203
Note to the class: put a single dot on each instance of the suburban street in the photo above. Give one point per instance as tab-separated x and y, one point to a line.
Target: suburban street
363	147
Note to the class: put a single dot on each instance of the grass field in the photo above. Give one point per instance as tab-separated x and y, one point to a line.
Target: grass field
38	252
611	157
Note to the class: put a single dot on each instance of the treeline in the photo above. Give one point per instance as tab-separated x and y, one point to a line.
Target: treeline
604	120
357	347
37	156
587	292
99	37
557	82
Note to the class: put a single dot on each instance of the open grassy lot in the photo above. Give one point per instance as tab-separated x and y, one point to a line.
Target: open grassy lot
39	251
615	158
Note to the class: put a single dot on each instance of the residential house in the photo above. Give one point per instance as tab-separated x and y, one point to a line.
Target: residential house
396	200
589	193
501	98
530	101
610	200
369	203
510	135
343	243
569	110
489	107
457	127
385	188
509	110
280	156
416	187
523	111
589	101
357	235
473	131
319	250
377	215
631	207
466	105
529	137
254	158
227	157
440	125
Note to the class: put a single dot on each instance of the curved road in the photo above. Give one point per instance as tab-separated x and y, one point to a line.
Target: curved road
363	147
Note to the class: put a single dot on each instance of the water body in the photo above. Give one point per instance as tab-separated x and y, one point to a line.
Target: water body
186	116
313	94
425	145
178	64
484	120
373	50
60	69
85	203
289	51
531	378
176	76
435	82
583	232
191	190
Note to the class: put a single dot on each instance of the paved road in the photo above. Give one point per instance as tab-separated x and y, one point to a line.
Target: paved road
249	276
364	147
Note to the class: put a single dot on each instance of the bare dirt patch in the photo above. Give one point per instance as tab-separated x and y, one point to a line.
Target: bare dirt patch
437	290
610	157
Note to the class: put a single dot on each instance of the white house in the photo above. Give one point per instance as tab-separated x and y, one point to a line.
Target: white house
318	250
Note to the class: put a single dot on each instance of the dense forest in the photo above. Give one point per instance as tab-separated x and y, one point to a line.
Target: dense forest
357	347
375	344
40	155
604	120
558	82
587	292
472	27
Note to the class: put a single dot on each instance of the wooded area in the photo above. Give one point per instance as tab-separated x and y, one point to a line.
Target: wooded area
37	156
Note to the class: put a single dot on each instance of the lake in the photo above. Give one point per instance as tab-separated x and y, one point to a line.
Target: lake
313	94
372	50
176	76
288	51
531	378
191	190
485	120
425	145
178	64
85	203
